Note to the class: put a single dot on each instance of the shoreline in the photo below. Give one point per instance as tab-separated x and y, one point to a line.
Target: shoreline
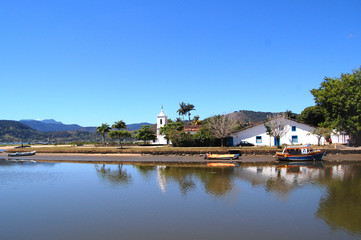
121	158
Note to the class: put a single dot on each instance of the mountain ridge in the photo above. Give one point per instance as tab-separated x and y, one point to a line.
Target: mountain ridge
51	125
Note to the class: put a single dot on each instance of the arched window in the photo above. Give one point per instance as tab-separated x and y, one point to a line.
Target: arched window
161	121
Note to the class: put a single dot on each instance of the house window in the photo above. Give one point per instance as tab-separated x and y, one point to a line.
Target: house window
258	139
294	139
293	128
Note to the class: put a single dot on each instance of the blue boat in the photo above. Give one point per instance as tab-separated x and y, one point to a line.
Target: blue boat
300	153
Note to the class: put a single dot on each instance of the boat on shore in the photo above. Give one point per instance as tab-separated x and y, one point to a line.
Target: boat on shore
21	154
300	153
232	155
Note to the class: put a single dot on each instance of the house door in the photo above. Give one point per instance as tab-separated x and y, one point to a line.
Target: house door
276	144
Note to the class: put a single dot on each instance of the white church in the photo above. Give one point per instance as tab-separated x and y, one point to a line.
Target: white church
162	120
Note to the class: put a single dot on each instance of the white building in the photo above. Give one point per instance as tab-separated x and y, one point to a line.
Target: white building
296	133
162	120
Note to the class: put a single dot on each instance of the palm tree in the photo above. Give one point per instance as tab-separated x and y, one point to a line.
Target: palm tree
119	125
183	109
189	108
104	128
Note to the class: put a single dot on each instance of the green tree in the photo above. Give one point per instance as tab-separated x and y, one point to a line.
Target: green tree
313	115
189	108
182	109
340	99
196	120
172	130
119	125
321	132
290	115
146	133
104	128
119	135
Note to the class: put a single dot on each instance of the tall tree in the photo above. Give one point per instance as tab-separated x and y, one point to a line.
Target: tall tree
312	115
172	130
182	109
104	128
340	99
221	126
189	108
119	125
290	115
119	135
276	126
146	133
320	132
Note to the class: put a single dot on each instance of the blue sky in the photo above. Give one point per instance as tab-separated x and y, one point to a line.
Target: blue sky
92	62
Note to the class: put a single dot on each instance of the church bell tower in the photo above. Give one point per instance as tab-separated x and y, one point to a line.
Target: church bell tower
162	120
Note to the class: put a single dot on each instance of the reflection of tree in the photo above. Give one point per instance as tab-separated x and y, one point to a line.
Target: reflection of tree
216	181
118	176
181	175
145	170
341	207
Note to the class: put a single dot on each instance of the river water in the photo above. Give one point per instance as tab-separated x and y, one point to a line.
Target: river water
96	201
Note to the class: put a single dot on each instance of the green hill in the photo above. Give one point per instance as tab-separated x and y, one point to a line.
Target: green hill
246	116
14	131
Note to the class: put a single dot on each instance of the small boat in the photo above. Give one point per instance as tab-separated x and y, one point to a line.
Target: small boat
300	153
218	164
18	154
222	156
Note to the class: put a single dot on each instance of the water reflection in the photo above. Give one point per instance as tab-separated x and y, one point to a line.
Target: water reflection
282	179
341	206
319	193
114	176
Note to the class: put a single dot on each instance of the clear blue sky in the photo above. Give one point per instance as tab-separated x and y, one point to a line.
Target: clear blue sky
92	62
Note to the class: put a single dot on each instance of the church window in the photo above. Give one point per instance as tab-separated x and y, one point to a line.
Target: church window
161	121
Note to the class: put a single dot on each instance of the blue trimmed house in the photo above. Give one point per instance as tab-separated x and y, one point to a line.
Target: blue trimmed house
295	133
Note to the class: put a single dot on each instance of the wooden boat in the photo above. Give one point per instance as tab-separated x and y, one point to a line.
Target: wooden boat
20	154
222	156
300	153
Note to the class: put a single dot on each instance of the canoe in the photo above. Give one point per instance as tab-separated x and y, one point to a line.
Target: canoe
221	156
18	154
300	153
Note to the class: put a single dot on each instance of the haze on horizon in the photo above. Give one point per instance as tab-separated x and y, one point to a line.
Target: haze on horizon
92	62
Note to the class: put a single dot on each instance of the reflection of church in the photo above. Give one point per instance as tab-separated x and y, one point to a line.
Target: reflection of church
162	120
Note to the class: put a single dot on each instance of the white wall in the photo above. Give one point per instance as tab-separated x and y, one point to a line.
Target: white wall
302	132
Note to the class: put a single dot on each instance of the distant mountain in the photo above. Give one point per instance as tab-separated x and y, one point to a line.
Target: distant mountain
14	131
51	121
136	126
50	125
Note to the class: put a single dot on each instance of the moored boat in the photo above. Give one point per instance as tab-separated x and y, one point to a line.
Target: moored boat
18	154
300	153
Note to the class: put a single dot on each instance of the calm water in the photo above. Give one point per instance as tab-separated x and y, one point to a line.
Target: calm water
87	201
